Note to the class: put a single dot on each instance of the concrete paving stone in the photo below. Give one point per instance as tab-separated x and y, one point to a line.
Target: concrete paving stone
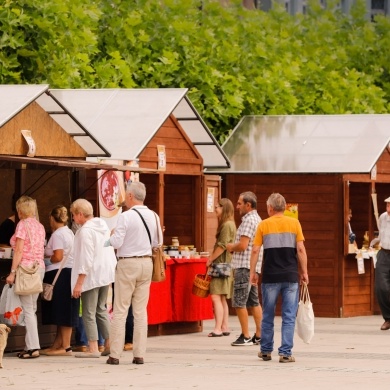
346	353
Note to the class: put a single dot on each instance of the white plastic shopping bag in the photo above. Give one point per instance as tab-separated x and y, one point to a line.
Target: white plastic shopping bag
11	311
305	316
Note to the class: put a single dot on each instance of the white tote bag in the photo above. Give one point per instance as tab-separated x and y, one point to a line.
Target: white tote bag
11	311
305	316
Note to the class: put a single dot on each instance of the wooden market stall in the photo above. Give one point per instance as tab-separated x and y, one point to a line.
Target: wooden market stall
326	165
160	130
63	166
39	158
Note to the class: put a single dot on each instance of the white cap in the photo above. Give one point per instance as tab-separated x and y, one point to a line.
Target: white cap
387	200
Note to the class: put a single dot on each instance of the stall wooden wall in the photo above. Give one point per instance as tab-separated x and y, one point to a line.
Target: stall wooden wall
45	131
182	157
7	189
181	198
181	206
320	204
50	188
152	190
383	166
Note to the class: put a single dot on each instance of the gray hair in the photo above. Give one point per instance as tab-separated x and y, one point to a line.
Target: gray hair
138	190
250	197
82	206
277	202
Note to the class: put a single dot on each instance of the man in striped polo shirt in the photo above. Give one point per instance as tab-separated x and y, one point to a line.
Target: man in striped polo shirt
244	294
284	267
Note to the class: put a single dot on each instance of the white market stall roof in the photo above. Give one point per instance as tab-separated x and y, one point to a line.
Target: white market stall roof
125	120
307	144
14	98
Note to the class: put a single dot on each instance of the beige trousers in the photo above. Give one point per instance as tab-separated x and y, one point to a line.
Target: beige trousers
132	286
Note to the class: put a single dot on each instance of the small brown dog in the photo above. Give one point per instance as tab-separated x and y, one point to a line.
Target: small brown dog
4	330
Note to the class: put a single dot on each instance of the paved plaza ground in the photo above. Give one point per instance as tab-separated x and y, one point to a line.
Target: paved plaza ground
348	353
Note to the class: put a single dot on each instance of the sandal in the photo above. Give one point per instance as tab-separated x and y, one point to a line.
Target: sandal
30	354
212	334
60	352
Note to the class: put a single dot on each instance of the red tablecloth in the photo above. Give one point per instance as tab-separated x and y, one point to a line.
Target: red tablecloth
187	306
160	300
172	300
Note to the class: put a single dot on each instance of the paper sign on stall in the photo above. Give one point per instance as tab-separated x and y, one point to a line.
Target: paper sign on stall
162	158
210	199
360	262
30	142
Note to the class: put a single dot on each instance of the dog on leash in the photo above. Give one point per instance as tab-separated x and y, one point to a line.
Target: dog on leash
4	330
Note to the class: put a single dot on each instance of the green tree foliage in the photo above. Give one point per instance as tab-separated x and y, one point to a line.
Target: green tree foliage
48	42
234	61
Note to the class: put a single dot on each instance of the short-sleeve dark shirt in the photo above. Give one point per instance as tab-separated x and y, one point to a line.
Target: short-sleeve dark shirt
7	229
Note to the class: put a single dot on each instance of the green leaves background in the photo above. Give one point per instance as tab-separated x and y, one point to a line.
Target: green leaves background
234	61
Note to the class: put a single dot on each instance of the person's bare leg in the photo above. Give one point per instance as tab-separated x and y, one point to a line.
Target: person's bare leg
242	314
93	346
57	343
225	315
62	342
66	334
218	313
257	316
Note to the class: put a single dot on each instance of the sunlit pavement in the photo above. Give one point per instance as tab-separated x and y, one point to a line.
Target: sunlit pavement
349	353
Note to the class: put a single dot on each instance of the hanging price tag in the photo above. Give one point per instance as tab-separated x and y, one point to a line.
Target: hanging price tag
360	262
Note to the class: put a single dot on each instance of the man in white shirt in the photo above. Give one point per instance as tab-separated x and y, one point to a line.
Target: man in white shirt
134	271
382	269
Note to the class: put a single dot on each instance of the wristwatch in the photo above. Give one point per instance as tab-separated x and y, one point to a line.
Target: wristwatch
13	271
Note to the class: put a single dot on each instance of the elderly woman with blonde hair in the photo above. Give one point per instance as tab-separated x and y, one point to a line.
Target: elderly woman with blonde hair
28	244
92	273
